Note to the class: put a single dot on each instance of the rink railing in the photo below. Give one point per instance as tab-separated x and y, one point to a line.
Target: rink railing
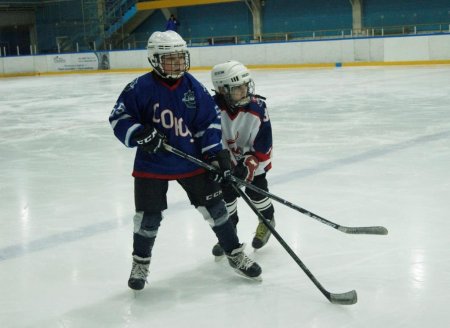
139	40
405	50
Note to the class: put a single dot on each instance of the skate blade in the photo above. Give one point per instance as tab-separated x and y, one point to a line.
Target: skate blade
219	258
137	293
256	279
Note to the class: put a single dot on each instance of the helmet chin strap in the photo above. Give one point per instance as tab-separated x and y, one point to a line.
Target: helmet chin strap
232	106
171	76
171	80
242	102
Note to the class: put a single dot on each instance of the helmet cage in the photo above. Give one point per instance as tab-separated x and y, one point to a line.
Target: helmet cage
171	65
230	92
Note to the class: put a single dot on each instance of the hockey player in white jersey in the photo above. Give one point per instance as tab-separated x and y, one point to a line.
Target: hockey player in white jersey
247	134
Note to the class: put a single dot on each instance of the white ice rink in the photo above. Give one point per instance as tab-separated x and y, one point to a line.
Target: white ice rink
357	146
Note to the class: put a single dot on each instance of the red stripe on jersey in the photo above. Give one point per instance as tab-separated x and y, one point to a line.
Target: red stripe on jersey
262	157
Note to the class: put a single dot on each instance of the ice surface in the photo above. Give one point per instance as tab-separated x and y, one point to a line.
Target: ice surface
358	146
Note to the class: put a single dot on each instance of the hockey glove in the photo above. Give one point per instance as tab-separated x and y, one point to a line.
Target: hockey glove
222	161
246	167
149	139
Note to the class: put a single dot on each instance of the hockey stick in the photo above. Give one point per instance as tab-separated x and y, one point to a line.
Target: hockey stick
376	230
347	298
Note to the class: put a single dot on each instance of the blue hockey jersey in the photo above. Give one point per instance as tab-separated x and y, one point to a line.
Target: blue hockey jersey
184	112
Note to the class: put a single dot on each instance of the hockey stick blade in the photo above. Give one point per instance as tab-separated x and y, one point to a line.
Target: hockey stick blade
344	299
378	230
348	298
350	230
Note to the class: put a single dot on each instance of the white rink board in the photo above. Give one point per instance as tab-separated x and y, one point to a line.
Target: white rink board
411	48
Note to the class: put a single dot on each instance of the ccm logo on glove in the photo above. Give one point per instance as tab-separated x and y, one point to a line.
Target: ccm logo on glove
149	139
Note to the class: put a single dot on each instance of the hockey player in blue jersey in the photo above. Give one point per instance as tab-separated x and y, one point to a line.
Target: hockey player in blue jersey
168	105
247	134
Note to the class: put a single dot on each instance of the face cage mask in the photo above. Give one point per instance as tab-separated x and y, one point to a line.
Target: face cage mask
244	100
176	73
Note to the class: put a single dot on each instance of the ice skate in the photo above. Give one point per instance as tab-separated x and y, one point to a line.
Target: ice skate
218	252
139	272
262	234
243	265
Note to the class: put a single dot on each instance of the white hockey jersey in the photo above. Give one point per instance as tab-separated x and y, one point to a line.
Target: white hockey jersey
248	131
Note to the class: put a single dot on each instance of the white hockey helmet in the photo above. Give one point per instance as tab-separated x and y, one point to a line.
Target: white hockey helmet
164	45
228	77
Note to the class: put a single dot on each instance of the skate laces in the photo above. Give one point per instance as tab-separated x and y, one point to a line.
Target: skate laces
244	261
261	231
241	260
139	271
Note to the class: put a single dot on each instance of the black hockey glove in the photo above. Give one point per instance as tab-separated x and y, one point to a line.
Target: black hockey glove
246	167
149	139
222	161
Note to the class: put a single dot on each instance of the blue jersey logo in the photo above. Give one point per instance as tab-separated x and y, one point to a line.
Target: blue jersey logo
189	99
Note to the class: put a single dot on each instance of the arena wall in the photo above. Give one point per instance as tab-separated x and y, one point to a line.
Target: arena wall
423	49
